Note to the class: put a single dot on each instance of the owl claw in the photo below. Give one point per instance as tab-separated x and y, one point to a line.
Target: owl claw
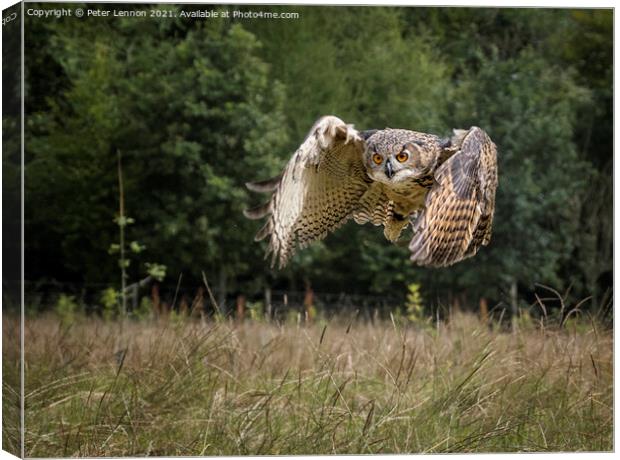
326	130
351	135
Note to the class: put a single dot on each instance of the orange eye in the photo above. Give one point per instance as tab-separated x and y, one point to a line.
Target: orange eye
378	159
402	156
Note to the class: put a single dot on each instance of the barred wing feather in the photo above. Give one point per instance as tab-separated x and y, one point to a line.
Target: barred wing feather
319	189
458	213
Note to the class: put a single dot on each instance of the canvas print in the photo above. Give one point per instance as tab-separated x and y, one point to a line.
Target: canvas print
235	229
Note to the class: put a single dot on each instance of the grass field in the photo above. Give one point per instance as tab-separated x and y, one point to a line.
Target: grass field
192	388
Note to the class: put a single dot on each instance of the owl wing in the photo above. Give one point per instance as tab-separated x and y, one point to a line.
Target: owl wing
317	191
458	210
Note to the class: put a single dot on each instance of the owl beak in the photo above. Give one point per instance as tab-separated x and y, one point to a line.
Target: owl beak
389	172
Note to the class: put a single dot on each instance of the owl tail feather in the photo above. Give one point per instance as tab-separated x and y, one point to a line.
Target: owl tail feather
258	212
265	186
264	232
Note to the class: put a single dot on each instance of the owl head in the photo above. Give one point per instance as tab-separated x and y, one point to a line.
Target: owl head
397	155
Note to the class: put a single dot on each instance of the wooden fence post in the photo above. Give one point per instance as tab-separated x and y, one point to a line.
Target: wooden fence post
514	305
183	307
156	301
198	305
240	308
484	311
309	303
268	307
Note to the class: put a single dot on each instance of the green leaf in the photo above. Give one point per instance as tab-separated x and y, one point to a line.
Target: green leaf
124	263
123	221
136	247
157	271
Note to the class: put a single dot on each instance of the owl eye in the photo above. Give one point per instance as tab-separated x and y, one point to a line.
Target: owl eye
377	159
402	156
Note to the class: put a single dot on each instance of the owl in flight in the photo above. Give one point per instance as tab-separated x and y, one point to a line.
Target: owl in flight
392	177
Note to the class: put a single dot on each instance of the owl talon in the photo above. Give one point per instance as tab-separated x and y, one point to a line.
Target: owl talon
351	135
330	128
326	130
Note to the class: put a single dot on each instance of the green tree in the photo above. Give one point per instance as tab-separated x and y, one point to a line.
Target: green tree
197	108
195	113
588	45
509	80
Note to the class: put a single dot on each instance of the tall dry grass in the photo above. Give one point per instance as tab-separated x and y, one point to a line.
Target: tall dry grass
192	388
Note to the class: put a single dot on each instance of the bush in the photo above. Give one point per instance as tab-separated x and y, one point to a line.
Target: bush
66	308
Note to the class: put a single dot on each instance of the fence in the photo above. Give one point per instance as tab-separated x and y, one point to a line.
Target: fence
198	300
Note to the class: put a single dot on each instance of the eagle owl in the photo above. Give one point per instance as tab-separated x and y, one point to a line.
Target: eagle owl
390	177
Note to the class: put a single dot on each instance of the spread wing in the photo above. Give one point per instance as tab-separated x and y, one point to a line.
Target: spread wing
458	213
317	191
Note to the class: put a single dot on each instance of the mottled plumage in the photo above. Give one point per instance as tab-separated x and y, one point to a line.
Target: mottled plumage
390	177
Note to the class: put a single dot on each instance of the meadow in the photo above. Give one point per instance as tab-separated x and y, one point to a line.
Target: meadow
196	387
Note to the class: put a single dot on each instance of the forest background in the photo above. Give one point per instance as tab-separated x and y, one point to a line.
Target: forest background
196	107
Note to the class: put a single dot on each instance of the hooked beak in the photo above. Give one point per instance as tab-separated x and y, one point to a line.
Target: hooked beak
389	172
